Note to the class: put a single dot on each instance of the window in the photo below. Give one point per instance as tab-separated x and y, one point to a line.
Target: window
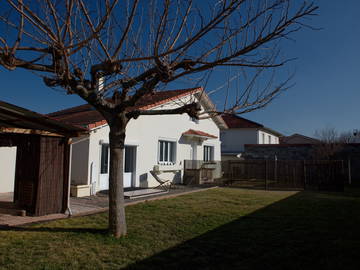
208	153
104	159
166	152
269	139
263	138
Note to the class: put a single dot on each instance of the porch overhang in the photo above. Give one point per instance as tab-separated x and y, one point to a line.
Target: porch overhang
15	119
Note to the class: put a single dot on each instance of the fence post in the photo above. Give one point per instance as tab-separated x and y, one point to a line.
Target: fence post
304	175
275	169
184	173
266	174
349	170
231	172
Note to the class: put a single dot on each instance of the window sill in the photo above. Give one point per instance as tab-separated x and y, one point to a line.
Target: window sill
166	163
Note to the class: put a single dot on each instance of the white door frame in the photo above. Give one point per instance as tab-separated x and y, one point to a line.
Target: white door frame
104	177
129	178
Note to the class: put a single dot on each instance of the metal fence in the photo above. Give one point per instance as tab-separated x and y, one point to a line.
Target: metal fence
285	174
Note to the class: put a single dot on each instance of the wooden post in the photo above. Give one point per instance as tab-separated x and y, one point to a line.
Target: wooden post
266	174
294	175
275	169
183	180
231	172
349	170
304	175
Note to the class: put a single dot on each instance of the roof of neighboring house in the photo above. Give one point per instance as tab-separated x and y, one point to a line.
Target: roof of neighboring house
15	119
85	115
198	133
235	121
297	139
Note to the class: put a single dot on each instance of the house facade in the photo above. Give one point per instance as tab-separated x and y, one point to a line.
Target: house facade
242	131
162	140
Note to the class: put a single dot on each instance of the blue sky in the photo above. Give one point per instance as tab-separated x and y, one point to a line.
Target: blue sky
326	93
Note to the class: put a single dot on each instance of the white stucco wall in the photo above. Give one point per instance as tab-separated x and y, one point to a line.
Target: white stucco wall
144	133
233	140
264	138
7	168
80	161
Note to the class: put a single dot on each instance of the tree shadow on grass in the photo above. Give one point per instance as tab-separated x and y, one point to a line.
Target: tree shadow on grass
306	231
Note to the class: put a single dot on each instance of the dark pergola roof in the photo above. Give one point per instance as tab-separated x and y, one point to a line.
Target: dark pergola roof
17	118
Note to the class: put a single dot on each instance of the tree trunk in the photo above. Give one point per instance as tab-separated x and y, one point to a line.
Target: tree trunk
117	222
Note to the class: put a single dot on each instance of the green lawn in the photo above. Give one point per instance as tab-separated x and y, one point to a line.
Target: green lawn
223	228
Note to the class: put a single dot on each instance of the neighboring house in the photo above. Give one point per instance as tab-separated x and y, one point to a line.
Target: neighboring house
163	140
298	139
242	131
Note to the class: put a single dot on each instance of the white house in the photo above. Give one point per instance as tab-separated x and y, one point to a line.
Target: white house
163	140
242	131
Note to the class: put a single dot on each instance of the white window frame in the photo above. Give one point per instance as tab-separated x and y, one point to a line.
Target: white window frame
269	137
263	138
205	153
171	154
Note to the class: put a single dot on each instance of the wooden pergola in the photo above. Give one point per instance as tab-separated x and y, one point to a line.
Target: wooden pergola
42	158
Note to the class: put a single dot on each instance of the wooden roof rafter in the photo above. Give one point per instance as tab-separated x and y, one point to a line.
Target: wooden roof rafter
15	119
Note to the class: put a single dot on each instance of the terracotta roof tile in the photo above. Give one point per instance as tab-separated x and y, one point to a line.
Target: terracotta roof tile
85	115
234	121
199	133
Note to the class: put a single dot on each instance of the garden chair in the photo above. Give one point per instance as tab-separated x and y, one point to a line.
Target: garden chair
164	184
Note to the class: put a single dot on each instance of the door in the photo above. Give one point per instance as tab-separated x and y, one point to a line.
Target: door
104	167
129	167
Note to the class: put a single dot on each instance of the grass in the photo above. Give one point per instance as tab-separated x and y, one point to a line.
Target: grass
225	228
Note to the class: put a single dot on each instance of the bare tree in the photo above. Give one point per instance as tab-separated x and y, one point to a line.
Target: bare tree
329	143
332	142
331	135
327	135
348	137
135	48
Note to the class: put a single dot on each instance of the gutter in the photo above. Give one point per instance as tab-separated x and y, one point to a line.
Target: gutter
68	209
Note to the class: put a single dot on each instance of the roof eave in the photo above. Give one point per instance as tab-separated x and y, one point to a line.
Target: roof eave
207	103
199	136
27	119
278	134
